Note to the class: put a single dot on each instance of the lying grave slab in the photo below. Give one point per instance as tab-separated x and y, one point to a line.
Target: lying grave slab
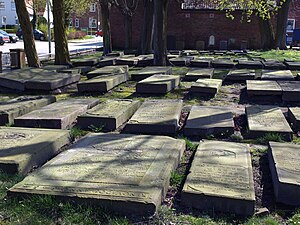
158	84
195	74
108	115
277	75
206	86
56	68
294	117
209	120
83	69
263	119
59	115
201	62
156	117
243	64
284	166
263	87
181	61
128	174
19	106
147	60
149	71
218	63
107	70
23	149
129	60
85	62
107	61
15	80
273	65
221	179
290	90
292	65
240	75
102	83
71	71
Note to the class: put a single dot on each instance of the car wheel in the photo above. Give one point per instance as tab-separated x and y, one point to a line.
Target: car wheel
96	35
42	38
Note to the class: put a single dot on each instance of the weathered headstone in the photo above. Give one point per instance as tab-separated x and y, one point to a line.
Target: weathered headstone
107	61
59	115
129	60
102	83
263	87
128	174
284	166
156	117
85	62
22	149
71	71
181	61
277	75
222	63
263	119
108	115
206	86
107	70
158	84
292	65
83	69
147	60
200	62
14	80
195	74
248	64
209	120
19	106
270	64
290	90
221	179
56	68
294	117
240	75
146	72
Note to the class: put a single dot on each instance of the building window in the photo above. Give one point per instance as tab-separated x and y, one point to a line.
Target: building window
2	5
17	20
13	5
290	25
93	7
77	23
92	23
70	22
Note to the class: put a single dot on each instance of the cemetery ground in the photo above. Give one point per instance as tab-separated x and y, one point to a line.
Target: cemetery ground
48	210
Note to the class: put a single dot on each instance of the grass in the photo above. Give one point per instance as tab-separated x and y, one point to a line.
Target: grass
270	137
279	54
76	133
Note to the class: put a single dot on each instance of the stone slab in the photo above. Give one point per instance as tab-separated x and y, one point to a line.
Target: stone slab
290	90
202	63
14	80
86	61
263	87
221	179
149	71
128	174
294	117
19	106
240	75
102	83
71	71
107	70
109	115
23	149
222	64
83	69
209	120
195	73
206	86
56	68
129	60
273	65
107	61
292	65
263	119
156	117
277	75
148	60
59	115
284	161
181	61
158	84
243	64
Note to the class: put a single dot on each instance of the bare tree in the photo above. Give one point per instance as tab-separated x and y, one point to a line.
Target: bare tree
105	22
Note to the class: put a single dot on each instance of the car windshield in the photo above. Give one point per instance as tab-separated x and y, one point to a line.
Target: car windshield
3	32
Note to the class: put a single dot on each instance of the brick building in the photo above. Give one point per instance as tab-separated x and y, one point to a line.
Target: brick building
195	28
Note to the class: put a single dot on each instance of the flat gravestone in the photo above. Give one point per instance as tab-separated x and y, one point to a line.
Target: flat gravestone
294	117
273	65
240	75
107	61
129	60
290	90
149	71
181	61
222	63
221	179
263	119
263	87
109	115
196	73
249	64
206	86
19	106
23	149
83	69
107	70
147	60
102	83
15	80
85	62
59	115
277	75
71	71
209	120
128	174
292	65
56	68
158	84
202	63
156	117
284	161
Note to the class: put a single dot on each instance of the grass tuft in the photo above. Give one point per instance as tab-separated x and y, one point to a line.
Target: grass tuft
270	137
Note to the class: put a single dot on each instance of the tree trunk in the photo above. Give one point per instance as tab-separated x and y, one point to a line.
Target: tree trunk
160	32
29	44
107	46
128	32
62	56
282	16
147	30
267	34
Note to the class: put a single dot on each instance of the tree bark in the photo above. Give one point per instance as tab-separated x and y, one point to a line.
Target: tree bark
282	16
105	22
267	34
160	32
62	56
29	44
147	30
128	32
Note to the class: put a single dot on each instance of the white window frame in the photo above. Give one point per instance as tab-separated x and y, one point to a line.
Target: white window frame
92	23
71	22
2	5
293	25
77	23
93	7
13	5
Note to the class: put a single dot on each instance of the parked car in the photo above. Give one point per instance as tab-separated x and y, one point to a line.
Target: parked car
99	33
12	38
4	39
38	35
